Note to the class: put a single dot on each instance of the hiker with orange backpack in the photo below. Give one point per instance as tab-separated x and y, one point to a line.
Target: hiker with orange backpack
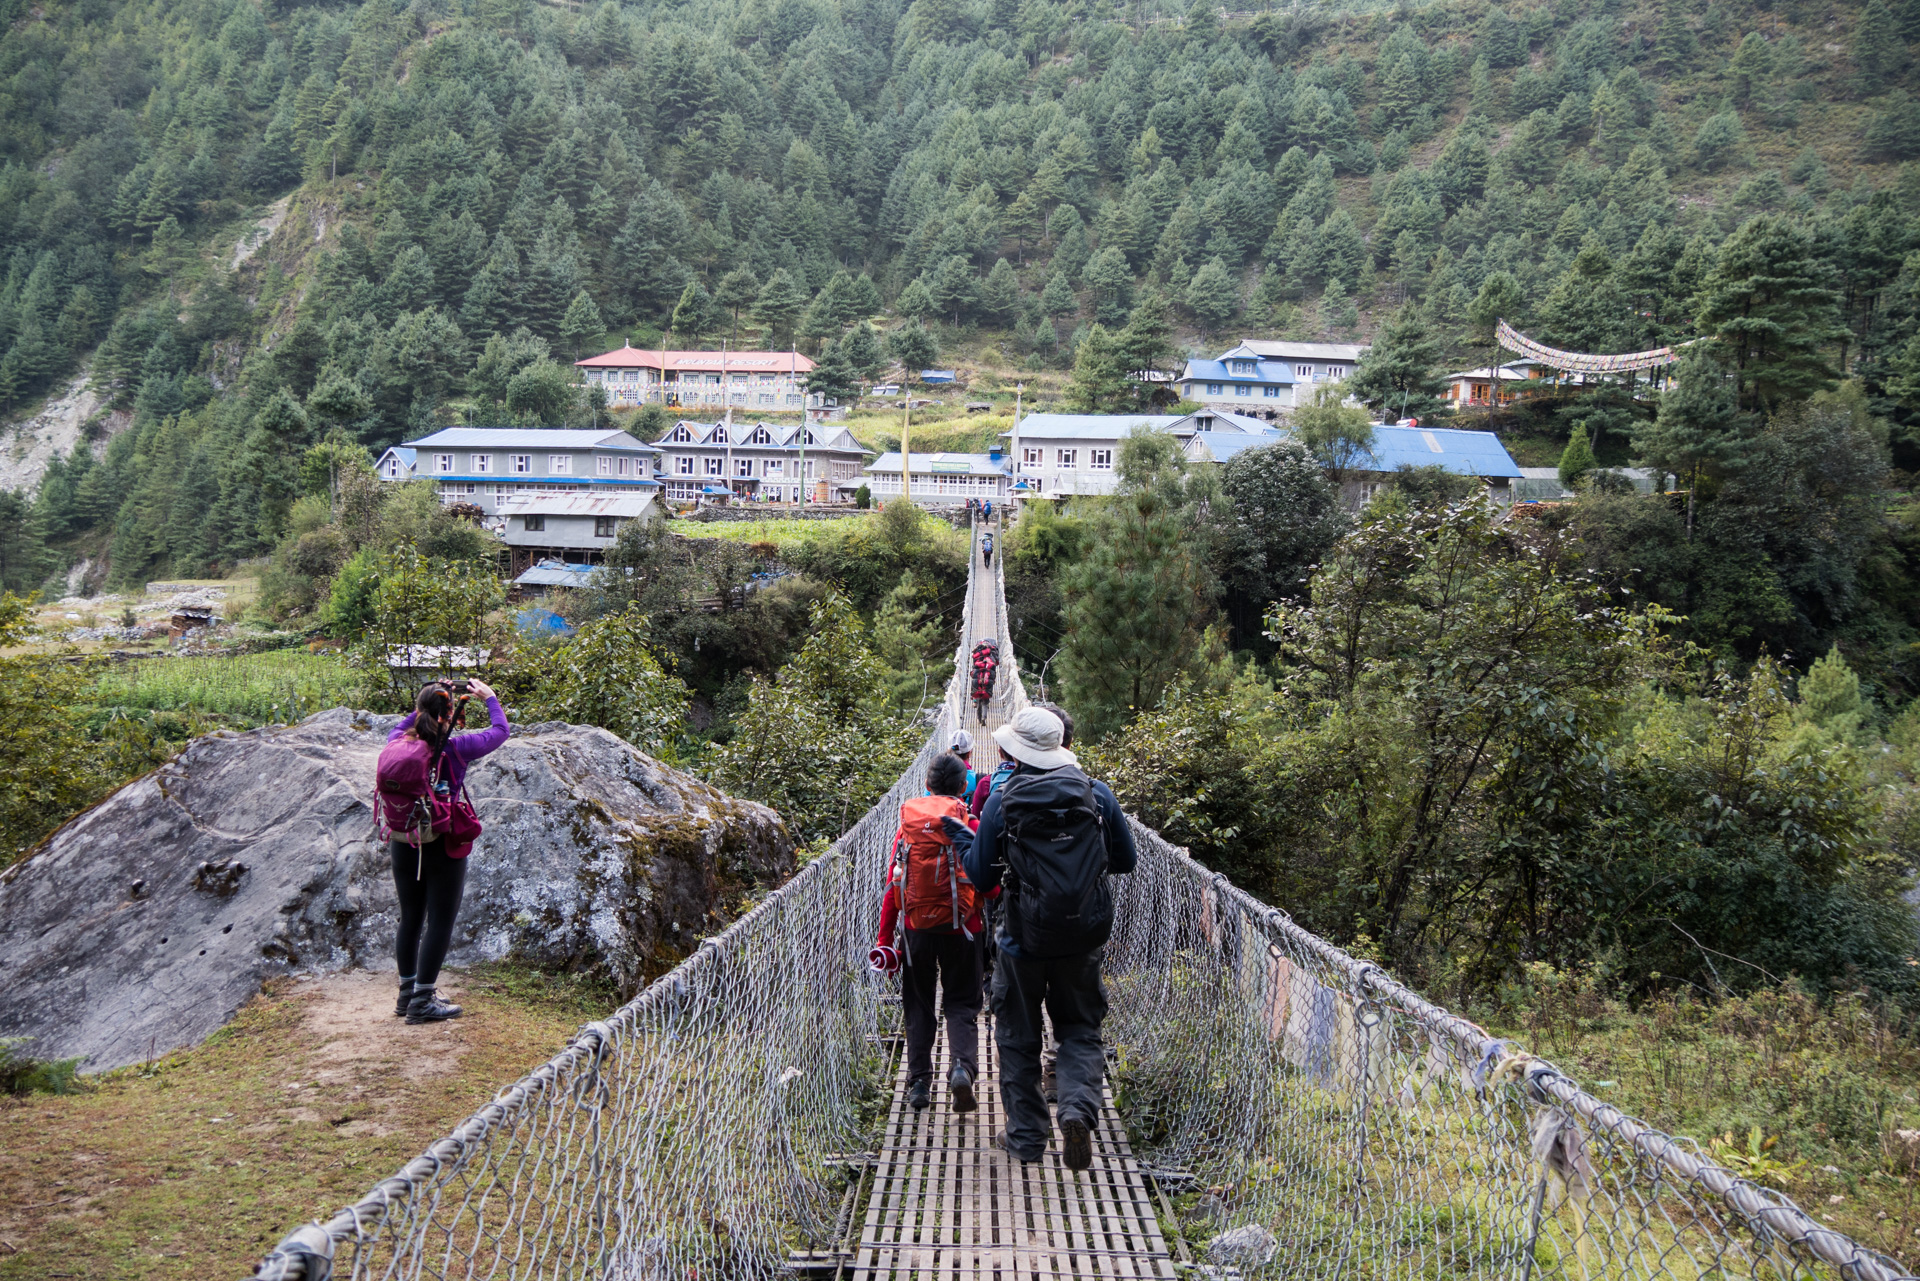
932	929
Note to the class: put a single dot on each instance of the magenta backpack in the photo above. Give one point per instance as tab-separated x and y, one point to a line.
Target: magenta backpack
406	807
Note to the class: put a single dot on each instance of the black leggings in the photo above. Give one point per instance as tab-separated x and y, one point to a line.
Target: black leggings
429	885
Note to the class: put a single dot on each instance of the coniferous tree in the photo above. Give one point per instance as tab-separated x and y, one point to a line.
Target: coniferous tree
1576	460
737	291
582	324
1771	314
776	307
1212	297
1878	51
1699	429
1399	376
1000	293
914	346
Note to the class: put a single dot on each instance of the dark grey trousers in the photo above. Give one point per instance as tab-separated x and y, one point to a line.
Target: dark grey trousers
1071	992
956	959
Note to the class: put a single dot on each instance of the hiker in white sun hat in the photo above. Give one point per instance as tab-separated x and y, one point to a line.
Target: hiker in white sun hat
1050	836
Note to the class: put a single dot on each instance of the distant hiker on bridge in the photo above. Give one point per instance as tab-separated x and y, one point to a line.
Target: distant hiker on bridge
986	549
422	778
932	927
1051	836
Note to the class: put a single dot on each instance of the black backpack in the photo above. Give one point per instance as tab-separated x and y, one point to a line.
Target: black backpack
1056	847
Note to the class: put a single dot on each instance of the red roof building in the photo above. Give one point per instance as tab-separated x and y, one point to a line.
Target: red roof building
745	379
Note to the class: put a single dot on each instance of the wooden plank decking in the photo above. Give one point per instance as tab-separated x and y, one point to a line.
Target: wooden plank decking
947	1203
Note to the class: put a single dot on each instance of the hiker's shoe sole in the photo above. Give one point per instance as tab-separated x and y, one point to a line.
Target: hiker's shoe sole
1076	1144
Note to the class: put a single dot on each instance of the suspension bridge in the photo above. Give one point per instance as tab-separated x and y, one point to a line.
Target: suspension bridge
744	1117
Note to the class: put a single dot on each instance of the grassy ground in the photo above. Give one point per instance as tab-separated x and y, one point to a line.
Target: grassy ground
1827	1089
771	529
278	686
196	1165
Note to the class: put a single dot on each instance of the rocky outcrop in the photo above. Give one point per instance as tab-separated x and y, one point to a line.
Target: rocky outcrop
145	923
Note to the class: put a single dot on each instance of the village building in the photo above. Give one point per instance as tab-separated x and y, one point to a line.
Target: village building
1264	379
575	529
486	466
940	479
749	380
1483	388
1063	455
760	460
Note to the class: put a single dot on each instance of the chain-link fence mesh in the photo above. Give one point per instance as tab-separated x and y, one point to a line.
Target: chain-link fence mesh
691	1135
1289	1086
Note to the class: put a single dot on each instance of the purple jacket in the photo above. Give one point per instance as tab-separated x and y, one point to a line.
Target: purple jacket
464	749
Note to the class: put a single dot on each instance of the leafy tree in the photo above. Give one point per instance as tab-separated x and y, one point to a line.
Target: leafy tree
607	674
1282	517
1398	376
816	742
436	612
542	393
1337	434
912	645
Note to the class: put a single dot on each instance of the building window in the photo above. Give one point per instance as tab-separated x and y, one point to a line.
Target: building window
559	464
393	468
1243	389
1213	389
1270	390
605	467
1063	458
1243	366
534	524
685	462
716	466
1303	371
1100	459
774	467
443	463
482	463
1336	372
522	463
743	466
1031	456
605	526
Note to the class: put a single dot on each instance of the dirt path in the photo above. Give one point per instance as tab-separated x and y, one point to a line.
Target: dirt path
195	1165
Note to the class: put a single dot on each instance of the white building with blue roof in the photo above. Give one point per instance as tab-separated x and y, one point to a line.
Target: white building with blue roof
487	466
1267	379
1063	455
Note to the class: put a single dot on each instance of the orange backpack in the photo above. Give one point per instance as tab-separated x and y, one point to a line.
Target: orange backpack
934	888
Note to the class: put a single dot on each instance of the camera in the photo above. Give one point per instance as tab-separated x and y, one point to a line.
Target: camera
459	687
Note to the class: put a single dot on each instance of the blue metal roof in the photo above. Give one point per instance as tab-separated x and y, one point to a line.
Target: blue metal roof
1264	371
1470	453
1222	445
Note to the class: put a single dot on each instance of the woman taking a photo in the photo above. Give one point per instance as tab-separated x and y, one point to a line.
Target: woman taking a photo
429	877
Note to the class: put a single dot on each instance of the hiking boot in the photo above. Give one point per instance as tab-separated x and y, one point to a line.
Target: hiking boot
1001	1141
406	998
1076	1143
424	1008
960	1086
920	1096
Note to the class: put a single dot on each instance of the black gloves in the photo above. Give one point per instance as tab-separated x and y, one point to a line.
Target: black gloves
960	833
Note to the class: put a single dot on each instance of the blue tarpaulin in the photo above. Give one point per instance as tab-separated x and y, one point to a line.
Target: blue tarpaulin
535	621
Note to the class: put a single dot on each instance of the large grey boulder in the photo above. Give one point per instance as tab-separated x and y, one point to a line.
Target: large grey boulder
144	924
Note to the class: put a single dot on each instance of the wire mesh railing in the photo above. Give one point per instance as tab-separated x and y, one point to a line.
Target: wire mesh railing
1332	1122
1374	1134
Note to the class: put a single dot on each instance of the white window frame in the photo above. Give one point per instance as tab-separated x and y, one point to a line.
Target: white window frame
393	467
1213	389
1303	371
559	464
443	464
742	468
482	464
1100	459
605	464
1030	455
1063	459
774	467
716	466
1269	390
686	464
522	464
1243	389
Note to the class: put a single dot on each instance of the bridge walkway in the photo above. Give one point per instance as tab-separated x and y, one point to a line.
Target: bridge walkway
946	1201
